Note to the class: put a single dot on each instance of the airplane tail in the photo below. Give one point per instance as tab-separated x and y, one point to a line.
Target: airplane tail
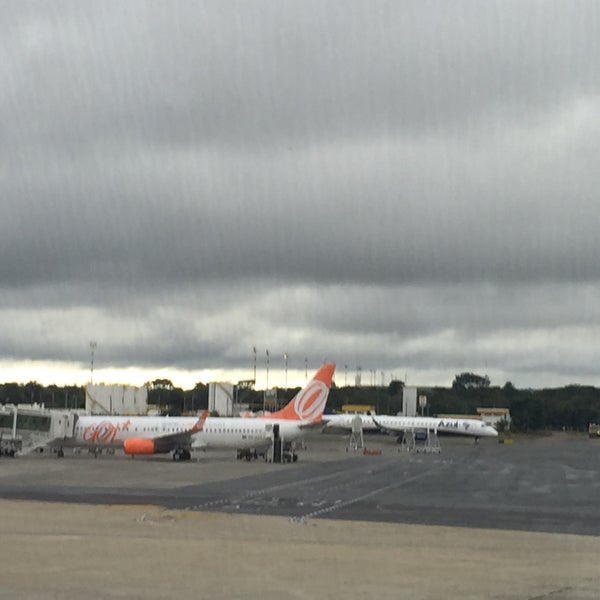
309	403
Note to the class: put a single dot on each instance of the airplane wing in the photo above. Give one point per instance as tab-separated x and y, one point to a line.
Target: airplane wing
380	426
165	443
389	427
312	425
400	426
183	438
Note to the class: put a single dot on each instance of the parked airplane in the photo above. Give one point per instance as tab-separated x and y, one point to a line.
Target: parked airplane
181	435
134	435
469	427
249	435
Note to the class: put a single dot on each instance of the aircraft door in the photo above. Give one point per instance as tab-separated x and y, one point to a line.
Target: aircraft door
62	425
71	422
277	444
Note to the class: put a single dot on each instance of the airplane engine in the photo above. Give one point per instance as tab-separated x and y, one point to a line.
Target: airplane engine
139	446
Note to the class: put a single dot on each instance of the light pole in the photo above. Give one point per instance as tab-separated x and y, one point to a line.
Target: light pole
267	386
254	350
92	348
285	357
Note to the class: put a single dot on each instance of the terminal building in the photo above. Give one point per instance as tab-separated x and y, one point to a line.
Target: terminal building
101	399
223	398
495	416
498	418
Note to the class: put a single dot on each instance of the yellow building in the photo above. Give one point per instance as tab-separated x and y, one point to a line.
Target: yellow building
493	416
353	409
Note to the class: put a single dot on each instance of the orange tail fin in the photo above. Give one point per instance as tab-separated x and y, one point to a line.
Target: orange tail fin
309	403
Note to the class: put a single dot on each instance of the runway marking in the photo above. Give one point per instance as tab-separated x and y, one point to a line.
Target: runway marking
560	591
274	488
343	503
361	470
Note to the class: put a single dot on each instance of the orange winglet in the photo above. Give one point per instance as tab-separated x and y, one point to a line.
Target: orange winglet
199	424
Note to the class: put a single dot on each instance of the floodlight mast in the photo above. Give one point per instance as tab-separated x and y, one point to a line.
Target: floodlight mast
267	386
92	349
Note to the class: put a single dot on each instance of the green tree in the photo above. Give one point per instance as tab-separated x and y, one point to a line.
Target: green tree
471	380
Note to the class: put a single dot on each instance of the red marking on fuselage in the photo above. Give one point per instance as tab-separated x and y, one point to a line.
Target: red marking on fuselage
104	432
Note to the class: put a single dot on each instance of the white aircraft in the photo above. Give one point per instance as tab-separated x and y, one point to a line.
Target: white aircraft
134	435
303	412
181	435
470	427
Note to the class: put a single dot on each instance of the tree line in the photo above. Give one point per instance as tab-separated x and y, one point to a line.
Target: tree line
571	407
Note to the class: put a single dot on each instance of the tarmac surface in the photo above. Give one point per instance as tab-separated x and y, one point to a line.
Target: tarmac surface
476	521
547	484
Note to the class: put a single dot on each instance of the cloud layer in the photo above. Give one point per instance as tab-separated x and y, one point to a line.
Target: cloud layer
409	187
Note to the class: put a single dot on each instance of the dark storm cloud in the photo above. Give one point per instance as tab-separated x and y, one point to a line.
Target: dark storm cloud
395	183
291	73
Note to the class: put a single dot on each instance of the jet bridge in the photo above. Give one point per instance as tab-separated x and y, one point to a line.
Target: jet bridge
27	427
23	427
10	443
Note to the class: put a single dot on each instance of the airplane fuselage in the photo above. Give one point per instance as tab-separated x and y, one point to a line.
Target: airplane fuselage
468	427
218	432
223	432
112	431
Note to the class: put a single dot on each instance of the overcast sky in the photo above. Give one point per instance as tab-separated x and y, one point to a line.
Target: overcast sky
407	187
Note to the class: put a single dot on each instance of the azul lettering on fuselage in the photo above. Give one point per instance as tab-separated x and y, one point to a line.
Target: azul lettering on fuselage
448	424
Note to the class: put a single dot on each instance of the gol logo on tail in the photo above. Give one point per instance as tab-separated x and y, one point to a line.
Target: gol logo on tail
310	402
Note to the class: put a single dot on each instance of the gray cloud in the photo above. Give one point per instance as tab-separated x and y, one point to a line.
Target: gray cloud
410	186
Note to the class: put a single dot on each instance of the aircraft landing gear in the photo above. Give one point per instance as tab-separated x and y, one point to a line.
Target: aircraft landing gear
181	454
247	453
